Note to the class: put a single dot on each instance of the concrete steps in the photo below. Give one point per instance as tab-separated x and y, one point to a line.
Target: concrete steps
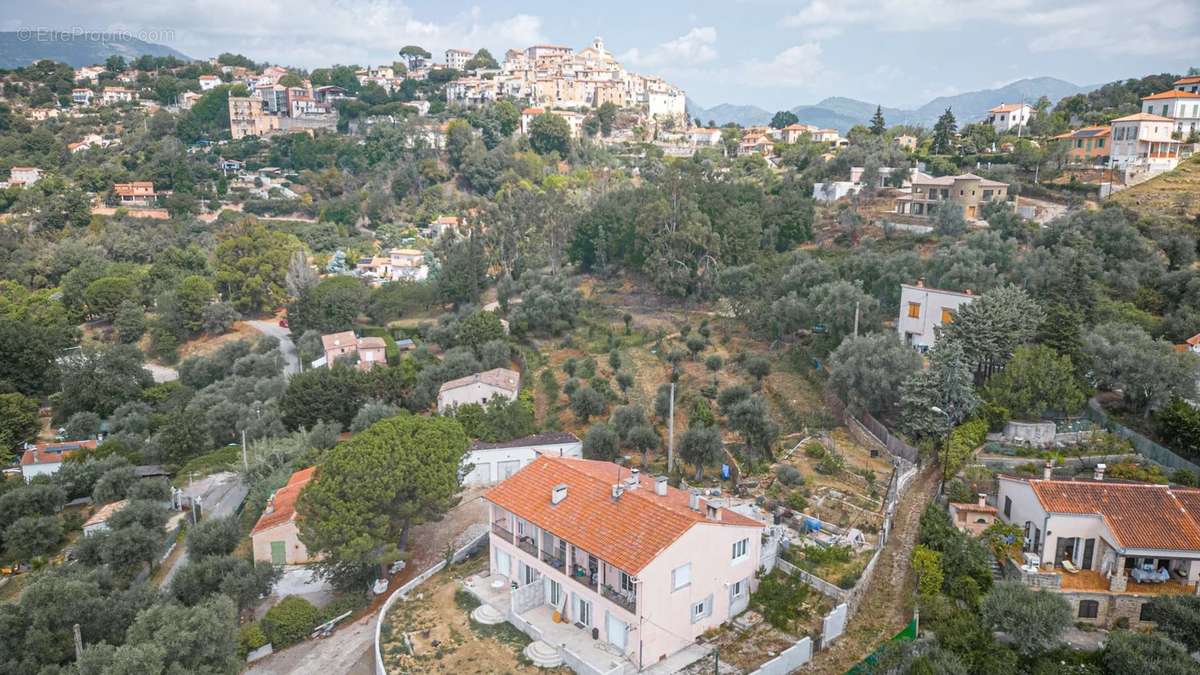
543	655
487	615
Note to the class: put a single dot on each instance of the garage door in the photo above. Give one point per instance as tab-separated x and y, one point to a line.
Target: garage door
481	474
507	469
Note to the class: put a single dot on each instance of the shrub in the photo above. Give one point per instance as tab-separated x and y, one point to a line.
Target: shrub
830	464
250	637
814	450
789	475
796	501
780	599
290	621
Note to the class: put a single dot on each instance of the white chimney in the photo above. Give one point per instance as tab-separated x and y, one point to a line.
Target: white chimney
558	493
660	486
270	504
616	491
982	499
694	499
634	480
1048	471
1099	475
713	510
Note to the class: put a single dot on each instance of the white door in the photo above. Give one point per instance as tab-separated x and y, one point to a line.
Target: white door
507	469
616	630
583	612
503	564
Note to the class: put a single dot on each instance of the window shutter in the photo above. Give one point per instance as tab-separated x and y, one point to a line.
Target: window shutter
708	606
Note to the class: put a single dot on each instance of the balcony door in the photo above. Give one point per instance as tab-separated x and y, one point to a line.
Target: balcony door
617	632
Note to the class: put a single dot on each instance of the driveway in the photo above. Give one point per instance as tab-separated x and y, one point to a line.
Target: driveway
286	346
297	580
220	495
161	373
351	648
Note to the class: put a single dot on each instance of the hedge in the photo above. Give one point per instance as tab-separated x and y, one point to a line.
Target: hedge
290	621
963	441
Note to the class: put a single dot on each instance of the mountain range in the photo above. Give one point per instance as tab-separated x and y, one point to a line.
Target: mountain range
21	49
842	113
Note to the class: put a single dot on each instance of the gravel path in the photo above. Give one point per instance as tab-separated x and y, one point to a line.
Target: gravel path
286	346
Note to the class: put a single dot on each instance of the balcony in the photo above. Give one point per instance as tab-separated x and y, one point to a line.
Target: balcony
555	557
527	544
584	576
499	529
624	599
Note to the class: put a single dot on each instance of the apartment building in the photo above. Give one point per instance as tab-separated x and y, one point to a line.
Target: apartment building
248	118
1181	106
1143	143
114	95
82	96
614	566
968	191
924	310
1008	116
457	58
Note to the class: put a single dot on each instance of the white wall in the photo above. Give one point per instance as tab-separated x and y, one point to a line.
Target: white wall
471	393
487	462
31	470
932	301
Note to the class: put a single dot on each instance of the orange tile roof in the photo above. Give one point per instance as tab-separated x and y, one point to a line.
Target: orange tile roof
1194	340
1193	79
1170	93
105	512
500	378
1143	117
628	533
1139	515
284	501
1007	107
50	453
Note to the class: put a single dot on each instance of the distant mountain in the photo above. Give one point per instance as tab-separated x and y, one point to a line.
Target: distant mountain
19	49
745	115
841	113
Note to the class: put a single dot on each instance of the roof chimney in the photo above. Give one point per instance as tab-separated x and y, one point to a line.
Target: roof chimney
558	493
1099	475
712	510
1048	471
634	480
270	504
660	486
694	499
982	499
616	491
921	282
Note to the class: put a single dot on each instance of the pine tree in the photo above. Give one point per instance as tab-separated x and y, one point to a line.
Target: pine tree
878	126
943	132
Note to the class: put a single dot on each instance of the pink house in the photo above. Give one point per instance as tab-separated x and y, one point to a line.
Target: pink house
371	351
602	562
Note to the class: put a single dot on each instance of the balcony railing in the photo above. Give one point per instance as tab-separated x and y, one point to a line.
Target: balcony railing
501	531
555	558
584	576
528	545
625	599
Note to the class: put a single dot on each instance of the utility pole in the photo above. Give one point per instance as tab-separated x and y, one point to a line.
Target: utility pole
671	432
245	463
856	306
78	644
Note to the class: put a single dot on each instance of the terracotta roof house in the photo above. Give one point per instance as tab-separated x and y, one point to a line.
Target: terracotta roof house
619	558
370	351
1108	546
479	388
99	520
46	458
973	517
1088	146
1007	116
276	536
138	193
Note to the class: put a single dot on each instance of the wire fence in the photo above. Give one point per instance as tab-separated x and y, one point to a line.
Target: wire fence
1144	446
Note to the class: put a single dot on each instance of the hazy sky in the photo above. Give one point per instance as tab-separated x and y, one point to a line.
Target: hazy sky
773	54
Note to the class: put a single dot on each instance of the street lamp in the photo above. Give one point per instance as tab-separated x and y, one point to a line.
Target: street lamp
945	446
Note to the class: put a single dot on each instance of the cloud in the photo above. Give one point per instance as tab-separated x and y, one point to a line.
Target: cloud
692	49
1154	27
796	66
305	33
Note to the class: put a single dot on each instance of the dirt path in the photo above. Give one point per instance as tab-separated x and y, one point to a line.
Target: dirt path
888	603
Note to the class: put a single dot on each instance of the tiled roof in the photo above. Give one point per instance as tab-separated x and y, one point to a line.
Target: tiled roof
339	340
501	378
1087	132
372	343
1170	93
105	512
1143	117
284	501
1193	79
546	438
52	453
629	532
973	507
1194	340
1138	514
1007	107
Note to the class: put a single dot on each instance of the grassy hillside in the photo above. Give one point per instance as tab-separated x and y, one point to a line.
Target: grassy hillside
1172	194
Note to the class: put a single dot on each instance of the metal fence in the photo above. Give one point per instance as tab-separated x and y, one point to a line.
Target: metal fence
1144	446
878	433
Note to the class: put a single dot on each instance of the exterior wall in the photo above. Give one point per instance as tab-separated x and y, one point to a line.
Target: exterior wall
296	553
472	393
974	522
1005	121
489	462
1111	609
920	331
1144	144
1025	508
708	548
369	358
46	469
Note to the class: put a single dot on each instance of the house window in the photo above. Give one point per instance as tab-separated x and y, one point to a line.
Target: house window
626	582
1143	614
947	315
681	576
698	610
739	549
1007	507
739	588
1089	609
914	310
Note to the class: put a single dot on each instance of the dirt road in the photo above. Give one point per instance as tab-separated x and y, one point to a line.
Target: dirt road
889	600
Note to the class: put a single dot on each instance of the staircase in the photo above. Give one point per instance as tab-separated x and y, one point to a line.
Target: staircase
543	655
997	569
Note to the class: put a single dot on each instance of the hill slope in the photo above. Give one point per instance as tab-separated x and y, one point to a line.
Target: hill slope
841	113
1169	194
16	49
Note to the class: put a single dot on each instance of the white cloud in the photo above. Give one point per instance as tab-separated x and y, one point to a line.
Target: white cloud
304	33
694	48
1153	27
796	66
